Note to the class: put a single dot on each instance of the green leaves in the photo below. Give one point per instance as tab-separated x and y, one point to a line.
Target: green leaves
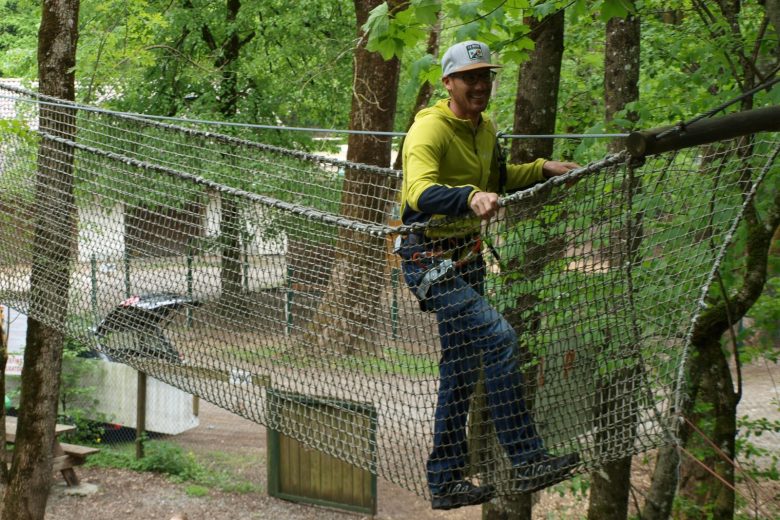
378	23
426	69
389	33
499	23
616	9
607	9
18	38
426	11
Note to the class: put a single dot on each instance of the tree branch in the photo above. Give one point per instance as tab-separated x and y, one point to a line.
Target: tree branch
715	320
208	38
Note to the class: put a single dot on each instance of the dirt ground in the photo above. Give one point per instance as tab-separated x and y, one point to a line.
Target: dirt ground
145	496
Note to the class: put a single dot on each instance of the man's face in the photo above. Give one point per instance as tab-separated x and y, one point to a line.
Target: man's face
469	92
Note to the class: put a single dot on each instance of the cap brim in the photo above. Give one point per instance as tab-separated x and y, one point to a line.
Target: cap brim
476	66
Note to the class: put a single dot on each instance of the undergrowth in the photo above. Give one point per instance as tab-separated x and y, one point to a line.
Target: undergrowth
179	466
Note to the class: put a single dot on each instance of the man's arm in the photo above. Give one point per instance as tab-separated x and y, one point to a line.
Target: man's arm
443	200
552	169
484	204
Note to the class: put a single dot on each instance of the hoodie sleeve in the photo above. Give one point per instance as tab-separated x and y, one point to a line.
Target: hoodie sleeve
522	175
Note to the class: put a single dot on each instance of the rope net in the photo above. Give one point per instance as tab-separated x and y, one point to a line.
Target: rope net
263	280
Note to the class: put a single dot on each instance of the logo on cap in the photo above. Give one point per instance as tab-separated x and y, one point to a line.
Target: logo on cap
474	51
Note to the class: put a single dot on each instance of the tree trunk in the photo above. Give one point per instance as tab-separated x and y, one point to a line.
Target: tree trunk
610	485
53	248
230	270
663	486
228	95
707	495
621	70
426	89
537	89
535	113
658	505
352	302
3	361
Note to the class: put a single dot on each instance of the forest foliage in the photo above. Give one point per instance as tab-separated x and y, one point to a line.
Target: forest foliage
294	65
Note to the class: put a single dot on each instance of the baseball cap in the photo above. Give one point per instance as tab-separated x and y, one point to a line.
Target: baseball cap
463	56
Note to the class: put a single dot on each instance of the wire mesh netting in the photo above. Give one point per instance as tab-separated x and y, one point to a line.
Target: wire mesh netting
264	281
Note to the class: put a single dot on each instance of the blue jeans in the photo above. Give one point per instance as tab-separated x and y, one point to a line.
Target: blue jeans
473	335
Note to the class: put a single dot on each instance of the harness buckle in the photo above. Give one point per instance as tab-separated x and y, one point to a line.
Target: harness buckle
432	275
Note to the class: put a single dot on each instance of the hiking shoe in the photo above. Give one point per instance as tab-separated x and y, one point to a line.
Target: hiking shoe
461	493
545	472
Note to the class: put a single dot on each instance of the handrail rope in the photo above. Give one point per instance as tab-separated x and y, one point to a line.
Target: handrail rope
733	462
570	176
676	128
318	215
561	136
306	211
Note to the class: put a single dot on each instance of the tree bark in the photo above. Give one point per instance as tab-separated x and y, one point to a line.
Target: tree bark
658	505
621	70
610	485
230	269
535	113
228	53
54	244
3	361
426	89
352	302
708	495
537	89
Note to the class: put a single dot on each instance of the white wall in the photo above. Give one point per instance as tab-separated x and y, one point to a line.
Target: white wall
101	233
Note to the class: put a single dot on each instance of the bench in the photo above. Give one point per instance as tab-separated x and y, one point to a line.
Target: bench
77	451
64	456
75	454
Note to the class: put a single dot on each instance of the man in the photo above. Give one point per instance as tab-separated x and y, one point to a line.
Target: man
452	167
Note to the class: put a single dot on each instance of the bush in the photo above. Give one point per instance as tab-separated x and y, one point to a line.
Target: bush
159	457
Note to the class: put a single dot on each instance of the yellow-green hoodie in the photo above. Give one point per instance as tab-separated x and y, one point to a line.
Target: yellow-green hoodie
446	161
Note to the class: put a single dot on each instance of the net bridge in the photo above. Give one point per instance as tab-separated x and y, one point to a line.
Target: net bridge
263	280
